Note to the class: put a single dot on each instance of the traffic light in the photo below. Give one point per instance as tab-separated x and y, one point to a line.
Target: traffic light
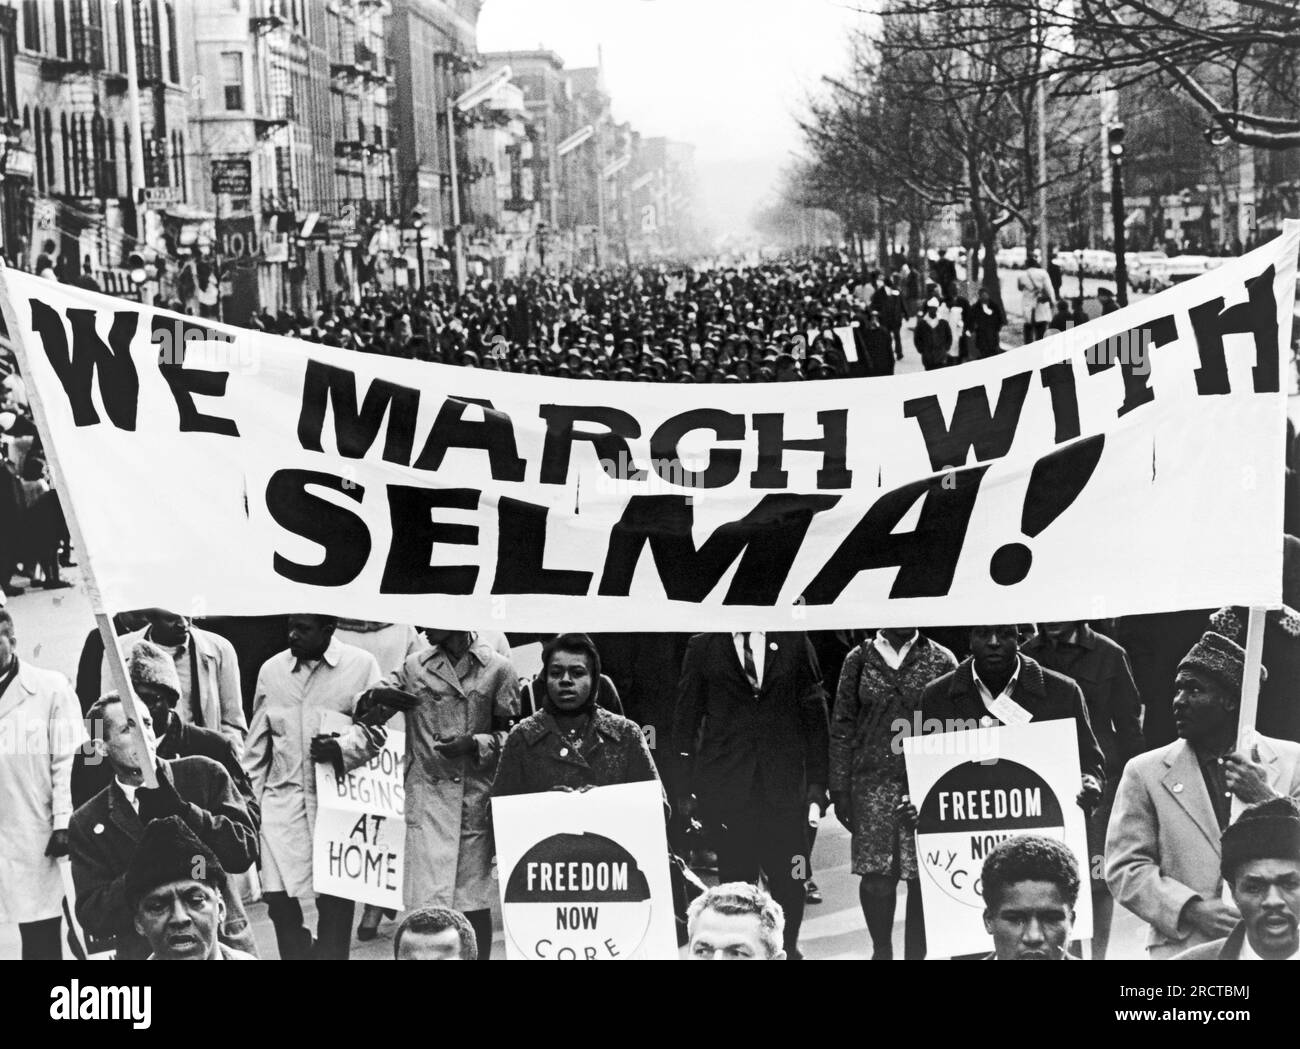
1115	136
145	265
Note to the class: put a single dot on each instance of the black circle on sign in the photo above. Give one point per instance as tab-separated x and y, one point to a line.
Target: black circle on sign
1010	564
988	785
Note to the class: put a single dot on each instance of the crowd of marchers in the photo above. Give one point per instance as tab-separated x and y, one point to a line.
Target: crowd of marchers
753	731
746	732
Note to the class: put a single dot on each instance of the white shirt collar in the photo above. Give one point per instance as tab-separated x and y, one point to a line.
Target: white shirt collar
331	657
894	657
986	693
129	791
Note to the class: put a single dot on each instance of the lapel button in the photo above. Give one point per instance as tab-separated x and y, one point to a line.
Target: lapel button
564	752
1178	788
99	828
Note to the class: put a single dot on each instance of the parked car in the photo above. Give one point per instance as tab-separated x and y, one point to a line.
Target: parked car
1182	268
1011	258
1098	263
1145	267
1068	261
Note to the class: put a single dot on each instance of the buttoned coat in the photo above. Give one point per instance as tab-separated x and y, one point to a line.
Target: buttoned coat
866	763
1046	695
286	715
40	730
783	731
537	757
1162	844
449	847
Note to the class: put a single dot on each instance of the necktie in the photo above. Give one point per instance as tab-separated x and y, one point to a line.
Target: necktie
751	671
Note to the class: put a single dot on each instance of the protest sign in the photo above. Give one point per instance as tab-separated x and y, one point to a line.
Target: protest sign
359	847
975	789
584	875
1033	485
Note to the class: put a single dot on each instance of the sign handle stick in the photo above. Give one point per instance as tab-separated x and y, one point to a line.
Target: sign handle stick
1250	678
116	665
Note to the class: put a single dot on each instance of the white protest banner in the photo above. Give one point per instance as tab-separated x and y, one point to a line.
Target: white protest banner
584	875
1070	479
974	789
359	848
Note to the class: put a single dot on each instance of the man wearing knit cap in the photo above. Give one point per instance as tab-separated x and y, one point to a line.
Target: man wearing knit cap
174	887
155	681
1261	865
1163	856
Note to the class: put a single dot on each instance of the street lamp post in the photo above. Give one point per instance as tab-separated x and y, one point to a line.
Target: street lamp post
1115	138
417	223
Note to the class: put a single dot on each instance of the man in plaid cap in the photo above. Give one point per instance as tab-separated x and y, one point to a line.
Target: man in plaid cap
1163	854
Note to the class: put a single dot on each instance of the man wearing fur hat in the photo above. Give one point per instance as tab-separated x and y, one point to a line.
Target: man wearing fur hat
1261	865
174	888
105	832
1163	857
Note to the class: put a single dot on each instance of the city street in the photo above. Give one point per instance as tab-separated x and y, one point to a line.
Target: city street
397	311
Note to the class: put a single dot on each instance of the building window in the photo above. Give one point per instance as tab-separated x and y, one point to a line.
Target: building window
232	79
173	54
60	28
110	162
119	19
40	153
83	158
65	141
32	25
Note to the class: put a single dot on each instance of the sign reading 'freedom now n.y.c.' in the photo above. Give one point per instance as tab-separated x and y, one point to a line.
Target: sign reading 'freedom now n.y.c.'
1101	472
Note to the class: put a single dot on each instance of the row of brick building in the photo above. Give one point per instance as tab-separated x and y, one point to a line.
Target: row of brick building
294	149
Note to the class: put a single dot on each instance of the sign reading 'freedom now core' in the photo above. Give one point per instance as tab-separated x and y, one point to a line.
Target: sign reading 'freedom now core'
1034	485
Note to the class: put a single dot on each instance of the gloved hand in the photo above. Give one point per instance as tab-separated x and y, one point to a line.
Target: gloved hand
325	748
161	801
456	746
816	795
392	698
58	844
842	800
907	814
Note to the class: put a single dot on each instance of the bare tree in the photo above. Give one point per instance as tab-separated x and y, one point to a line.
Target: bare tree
1238	60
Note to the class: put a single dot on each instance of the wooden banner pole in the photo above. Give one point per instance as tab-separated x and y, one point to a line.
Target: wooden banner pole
116	664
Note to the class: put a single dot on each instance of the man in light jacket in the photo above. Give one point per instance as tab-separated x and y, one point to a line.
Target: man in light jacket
1163	854
316	674
38	713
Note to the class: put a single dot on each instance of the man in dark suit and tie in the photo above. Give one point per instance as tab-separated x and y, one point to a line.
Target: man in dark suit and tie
753	742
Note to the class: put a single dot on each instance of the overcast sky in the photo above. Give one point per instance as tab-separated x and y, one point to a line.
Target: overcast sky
727	75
